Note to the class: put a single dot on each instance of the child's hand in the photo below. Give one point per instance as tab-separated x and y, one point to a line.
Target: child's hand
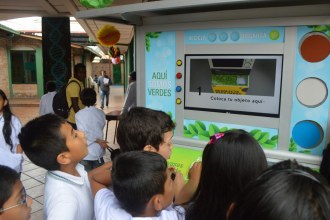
102	143
178	182
194	173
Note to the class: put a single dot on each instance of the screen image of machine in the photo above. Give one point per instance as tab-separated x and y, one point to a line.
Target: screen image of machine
242	84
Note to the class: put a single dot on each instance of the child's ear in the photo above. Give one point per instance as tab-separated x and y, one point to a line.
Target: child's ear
64	158
5	103
149	148
157	202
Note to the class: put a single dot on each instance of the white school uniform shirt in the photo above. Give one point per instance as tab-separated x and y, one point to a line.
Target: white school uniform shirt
46	103
9	157
91	120
106	207
130	99
68	197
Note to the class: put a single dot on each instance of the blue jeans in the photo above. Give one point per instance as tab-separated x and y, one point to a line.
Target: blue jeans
106	95
92	164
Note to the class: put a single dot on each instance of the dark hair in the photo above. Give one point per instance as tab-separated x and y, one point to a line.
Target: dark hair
228	165
164	121
42	141
50	86
142	126
88	97
8	178
137	176
7	115
133	75
325	164
285	191
79	66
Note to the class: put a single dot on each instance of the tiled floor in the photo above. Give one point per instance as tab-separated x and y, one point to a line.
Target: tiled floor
33	177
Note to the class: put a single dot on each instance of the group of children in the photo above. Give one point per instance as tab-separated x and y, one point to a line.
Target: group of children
232	181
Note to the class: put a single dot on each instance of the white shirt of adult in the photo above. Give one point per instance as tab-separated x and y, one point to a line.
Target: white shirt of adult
46	103
91	120
106	207
9	157
68	197
130	99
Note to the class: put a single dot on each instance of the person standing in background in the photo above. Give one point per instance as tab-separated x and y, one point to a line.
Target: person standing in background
46	101
73	92
130	99
104	83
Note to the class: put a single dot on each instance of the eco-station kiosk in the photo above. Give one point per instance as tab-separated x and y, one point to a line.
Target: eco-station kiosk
261	66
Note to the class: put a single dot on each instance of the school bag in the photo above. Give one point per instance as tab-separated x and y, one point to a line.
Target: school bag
60	104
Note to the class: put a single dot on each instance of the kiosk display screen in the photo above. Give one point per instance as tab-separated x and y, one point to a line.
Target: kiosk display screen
239	84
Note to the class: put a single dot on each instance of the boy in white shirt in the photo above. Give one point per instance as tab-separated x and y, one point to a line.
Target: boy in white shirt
50	142
143	188
91	121
46	101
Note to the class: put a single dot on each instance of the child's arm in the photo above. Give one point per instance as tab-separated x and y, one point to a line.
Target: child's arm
188	190
100	177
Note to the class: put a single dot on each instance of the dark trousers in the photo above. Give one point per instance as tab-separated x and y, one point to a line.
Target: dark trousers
92	164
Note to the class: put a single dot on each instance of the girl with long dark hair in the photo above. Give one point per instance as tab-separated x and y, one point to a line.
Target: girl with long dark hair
230	161
10	126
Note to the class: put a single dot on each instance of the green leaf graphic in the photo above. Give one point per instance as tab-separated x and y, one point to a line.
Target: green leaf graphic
275	137
263	137
256	134
213	129
193	129
223	129
200	126
187	134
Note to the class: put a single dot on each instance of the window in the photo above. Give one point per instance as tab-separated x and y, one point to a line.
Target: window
23	67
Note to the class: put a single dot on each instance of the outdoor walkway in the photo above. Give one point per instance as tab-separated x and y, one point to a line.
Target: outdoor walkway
33	177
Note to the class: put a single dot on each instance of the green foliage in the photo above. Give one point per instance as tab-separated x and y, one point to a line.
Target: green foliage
96	3
305	151
213	129
151	35
293	145
199	129
321	28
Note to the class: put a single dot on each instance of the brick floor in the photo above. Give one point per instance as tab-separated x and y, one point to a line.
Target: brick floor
33	177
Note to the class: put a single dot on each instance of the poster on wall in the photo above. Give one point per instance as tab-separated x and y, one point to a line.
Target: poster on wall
160	71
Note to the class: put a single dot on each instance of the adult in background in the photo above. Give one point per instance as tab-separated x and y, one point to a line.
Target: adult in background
46	101
73	92
104	83
130	99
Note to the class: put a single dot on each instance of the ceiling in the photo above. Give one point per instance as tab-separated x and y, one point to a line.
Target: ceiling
124	14
10	9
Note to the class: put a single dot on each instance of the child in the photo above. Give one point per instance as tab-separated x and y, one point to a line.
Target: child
325	164
150	130
10	126
230	161
130	99
14	204
92	121
144	186
50	142
146	129
285	191
46	101
141	129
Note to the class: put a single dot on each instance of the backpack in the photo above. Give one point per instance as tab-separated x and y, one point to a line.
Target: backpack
60	104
